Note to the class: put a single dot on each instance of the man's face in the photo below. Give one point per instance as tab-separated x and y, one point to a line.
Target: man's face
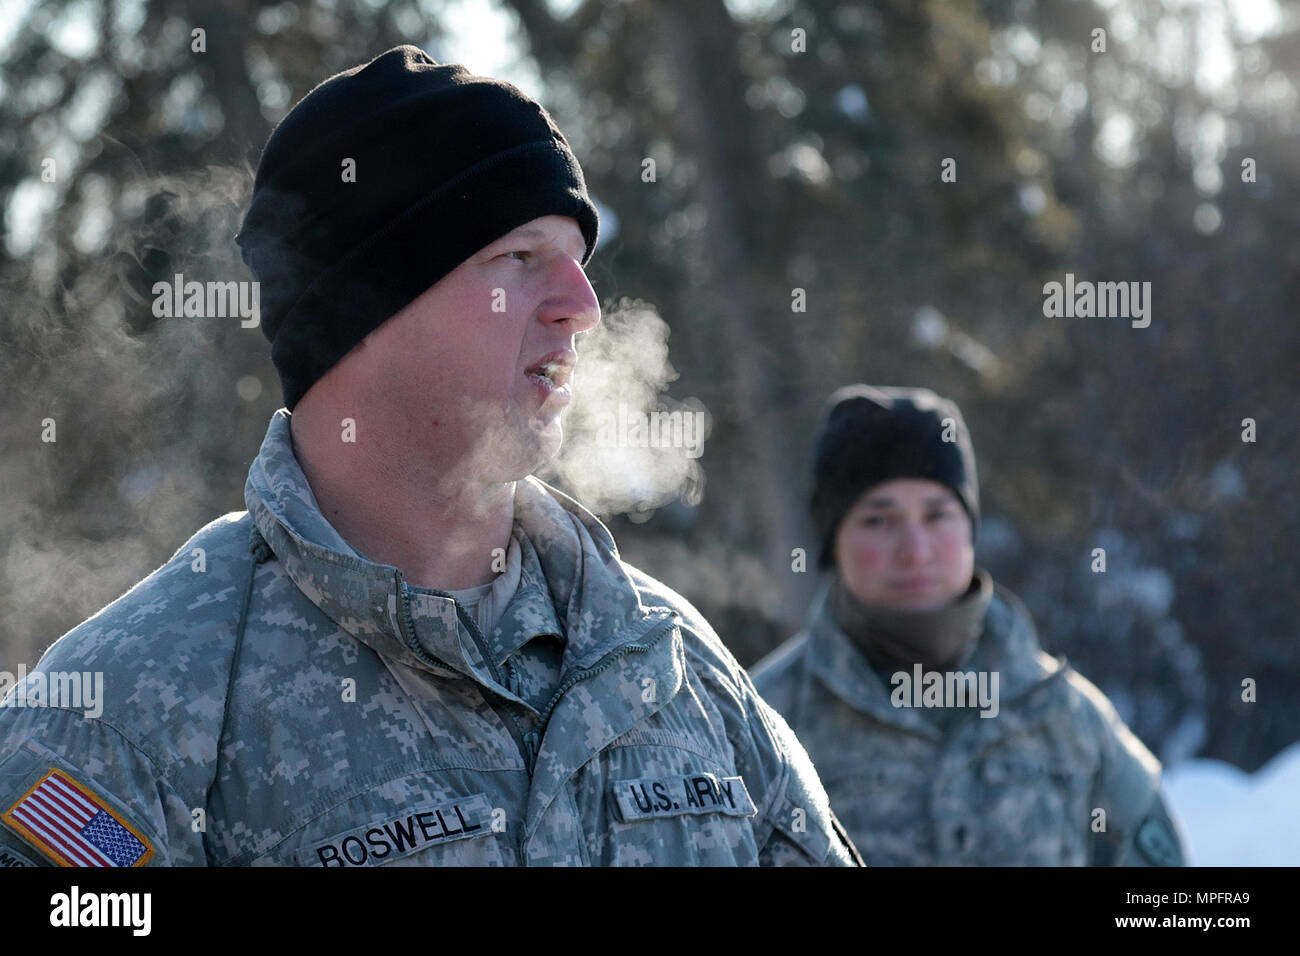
478	369
906	544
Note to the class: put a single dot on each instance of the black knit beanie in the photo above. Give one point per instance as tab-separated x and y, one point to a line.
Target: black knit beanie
872	435
445	163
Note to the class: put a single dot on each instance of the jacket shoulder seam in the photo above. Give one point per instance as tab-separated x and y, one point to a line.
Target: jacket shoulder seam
161	769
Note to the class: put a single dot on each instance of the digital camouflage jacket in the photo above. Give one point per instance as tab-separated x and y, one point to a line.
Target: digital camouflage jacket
1055	778
272	697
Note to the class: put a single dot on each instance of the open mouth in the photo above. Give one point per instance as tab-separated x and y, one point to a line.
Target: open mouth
553	372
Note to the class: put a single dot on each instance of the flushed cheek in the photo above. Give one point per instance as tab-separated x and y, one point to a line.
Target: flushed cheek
482	368
866	555
949	552
952	543
955	558
454	381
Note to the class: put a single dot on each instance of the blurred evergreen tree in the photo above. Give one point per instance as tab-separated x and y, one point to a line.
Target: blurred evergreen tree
797	146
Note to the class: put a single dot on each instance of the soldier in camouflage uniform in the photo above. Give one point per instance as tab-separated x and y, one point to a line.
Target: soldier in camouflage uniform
278	694
1032	766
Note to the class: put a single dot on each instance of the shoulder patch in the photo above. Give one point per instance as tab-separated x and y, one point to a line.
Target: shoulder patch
72	825
1157	843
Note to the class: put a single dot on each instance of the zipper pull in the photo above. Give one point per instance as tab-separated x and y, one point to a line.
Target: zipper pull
532	743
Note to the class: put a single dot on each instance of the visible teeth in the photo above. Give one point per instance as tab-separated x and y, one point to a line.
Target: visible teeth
548	371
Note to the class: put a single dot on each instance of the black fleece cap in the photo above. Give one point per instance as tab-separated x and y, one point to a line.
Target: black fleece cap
445	163
871	435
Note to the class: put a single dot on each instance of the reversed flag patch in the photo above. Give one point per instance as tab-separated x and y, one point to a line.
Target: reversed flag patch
74	827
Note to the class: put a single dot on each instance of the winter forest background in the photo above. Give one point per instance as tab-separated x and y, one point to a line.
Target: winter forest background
794	233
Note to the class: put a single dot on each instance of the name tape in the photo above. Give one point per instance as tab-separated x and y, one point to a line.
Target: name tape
387	840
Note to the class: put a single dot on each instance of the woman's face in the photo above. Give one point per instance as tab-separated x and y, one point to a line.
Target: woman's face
906	544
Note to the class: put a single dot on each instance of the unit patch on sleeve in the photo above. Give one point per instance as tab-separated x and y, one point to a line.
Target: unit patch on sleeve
1157	843
650	797
388	840
73	826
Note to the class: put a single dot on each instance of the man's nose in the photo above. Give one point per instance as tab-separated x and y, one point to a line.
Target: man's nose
570	296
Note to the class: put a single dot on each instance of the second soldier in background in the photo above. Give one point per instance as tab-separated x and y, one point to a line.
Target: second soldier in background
942	732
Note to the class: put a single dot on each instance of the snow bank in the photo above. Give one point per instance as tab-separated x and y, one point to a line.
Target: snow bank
1232	818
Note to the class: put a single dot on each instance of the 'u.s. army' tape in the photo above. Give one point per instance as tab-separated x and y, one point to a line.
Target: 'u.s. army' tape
646	798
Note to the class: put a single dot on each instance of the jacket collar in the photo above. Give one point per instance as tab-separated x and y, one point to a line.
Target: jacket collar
571	559
1007	644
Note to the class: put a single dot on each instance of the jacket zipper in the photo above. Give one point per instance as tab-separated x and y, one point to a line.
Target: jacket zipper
527	750
659	630
529	743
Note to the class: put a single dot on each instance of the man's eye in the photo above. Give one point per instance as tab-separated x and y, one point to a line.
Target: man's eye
518	254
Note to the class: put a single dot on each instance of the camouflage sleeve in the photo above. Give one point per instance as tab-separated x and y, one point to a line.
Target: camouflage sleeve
796	825
75	792
1135	827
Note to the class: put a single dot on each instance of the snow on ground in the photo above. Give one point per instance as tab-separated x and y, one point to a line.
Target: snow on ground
1232	818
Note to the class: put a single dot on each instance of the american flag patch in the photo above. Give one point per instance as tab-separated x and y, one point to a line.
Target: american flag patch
74	827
